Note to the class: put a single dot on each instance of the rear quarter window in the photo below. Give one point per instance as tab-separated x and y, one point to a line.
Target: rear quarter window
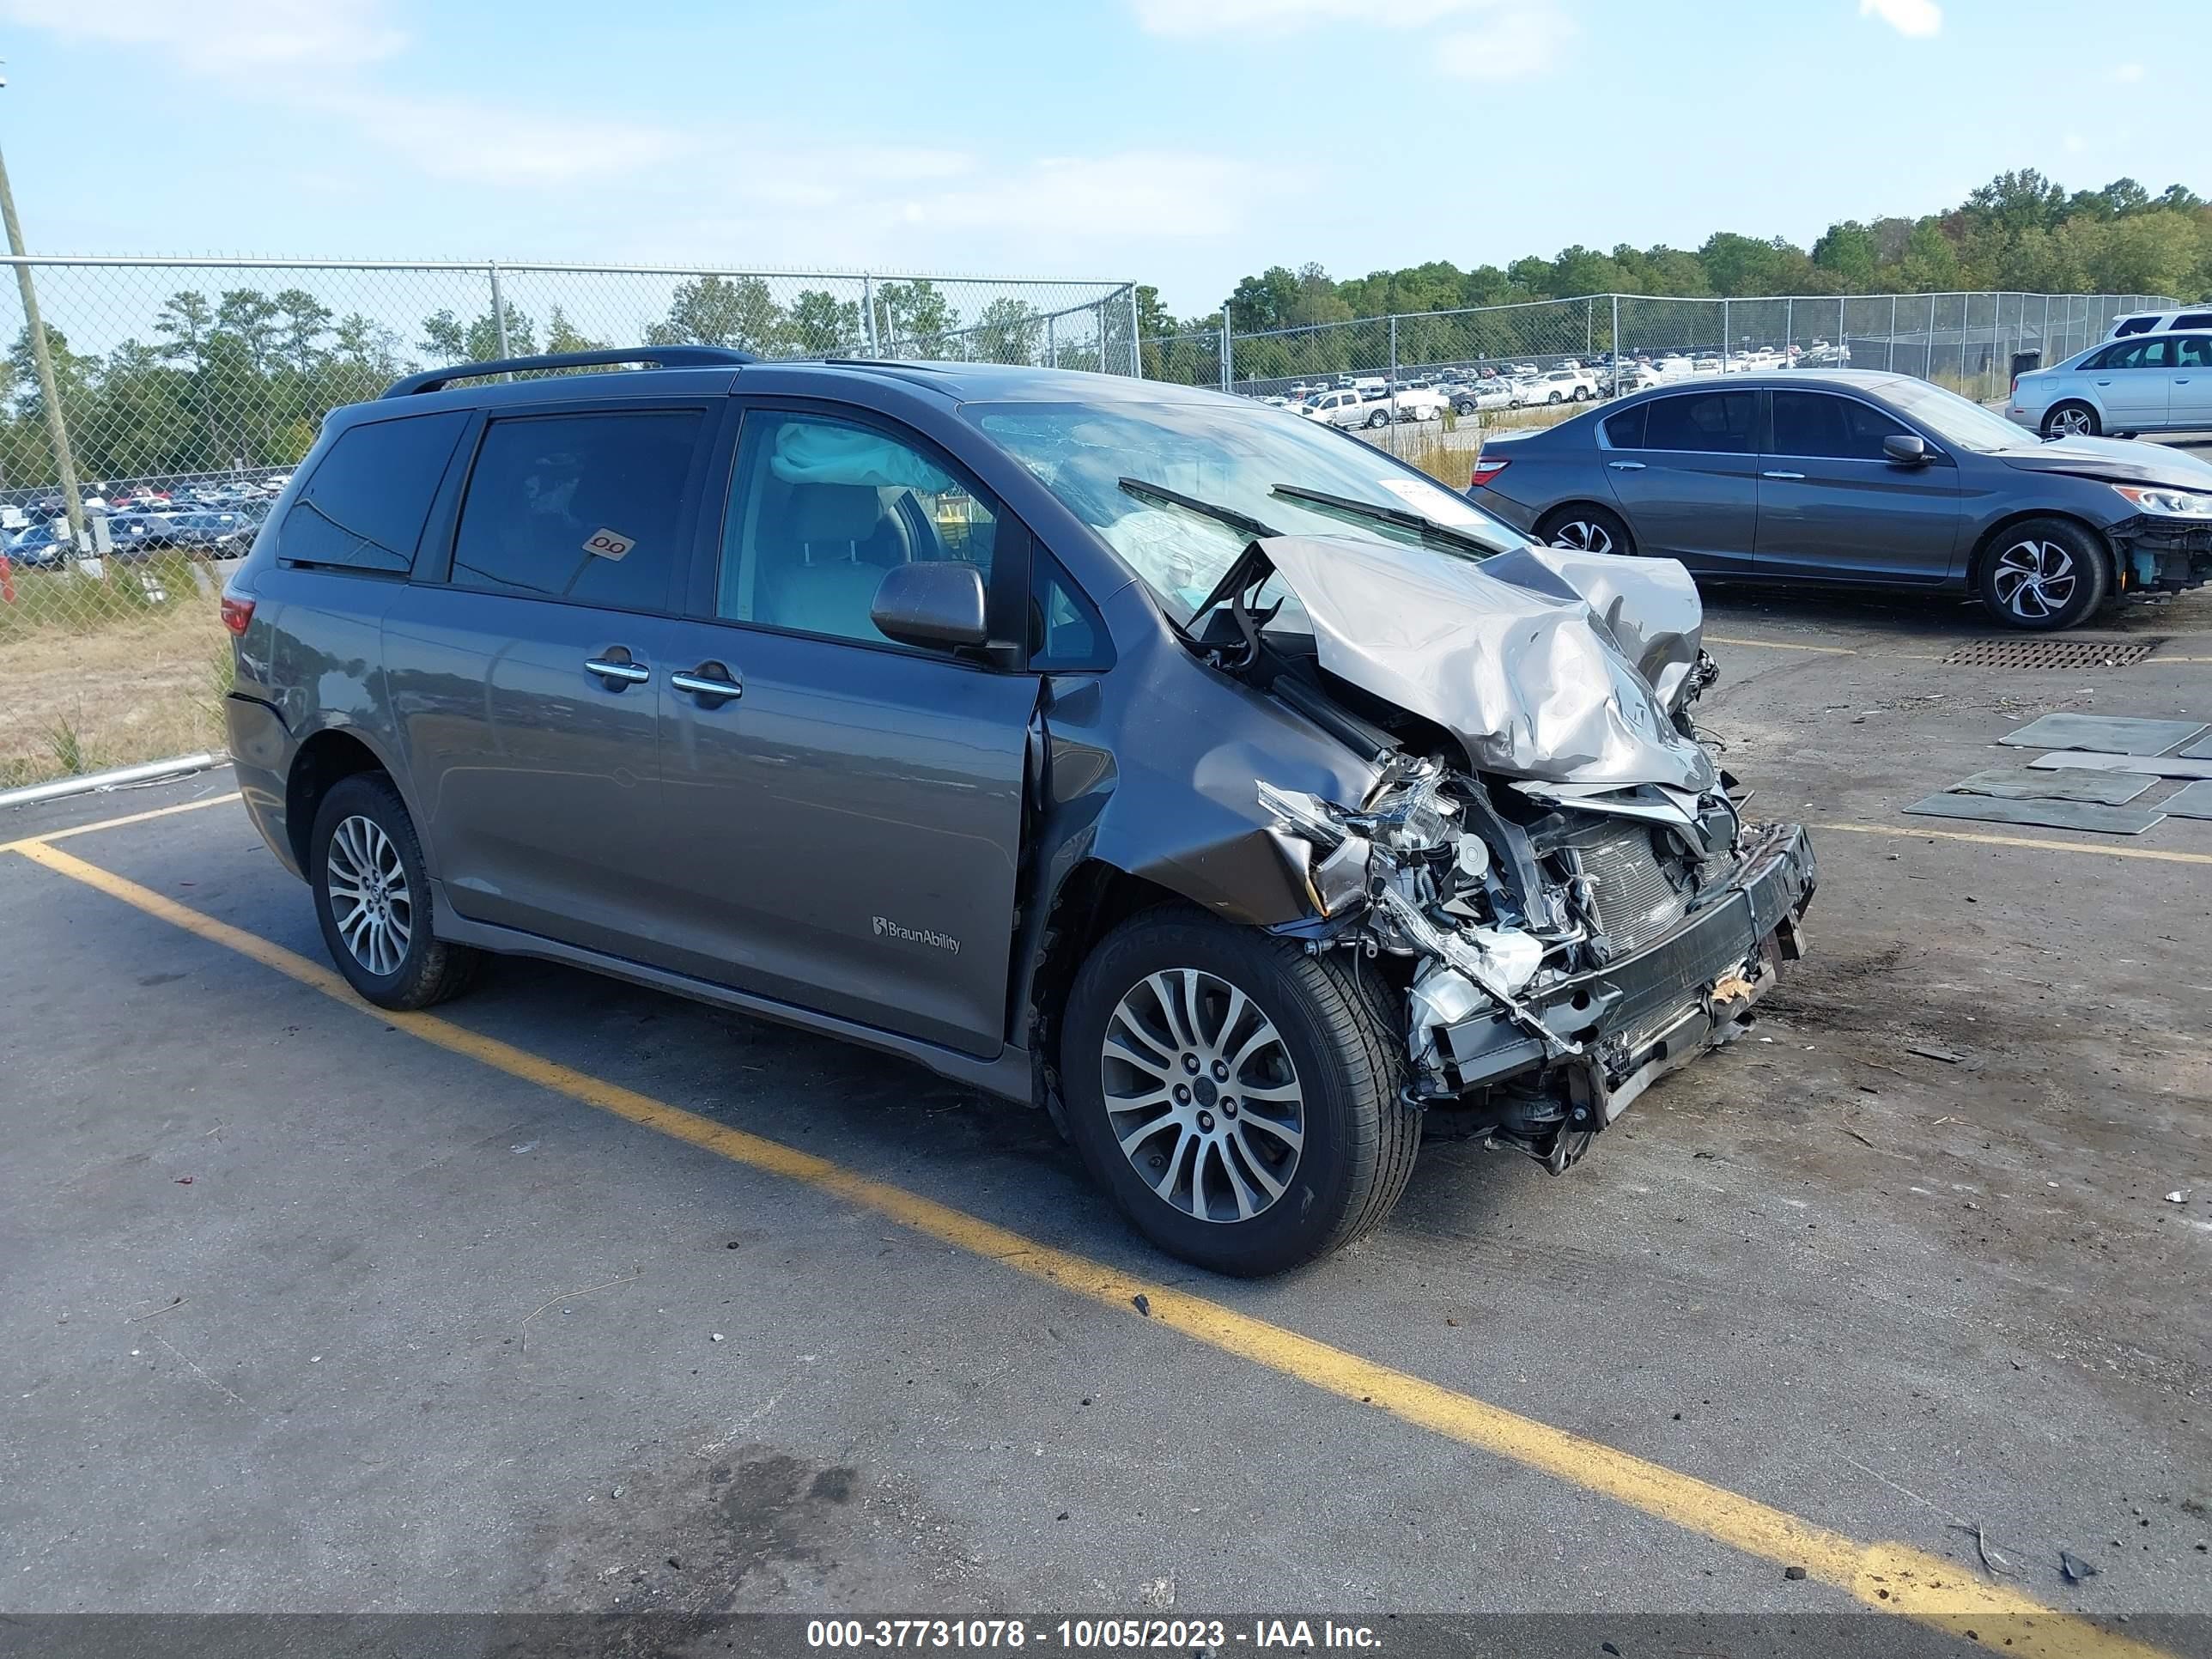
364	505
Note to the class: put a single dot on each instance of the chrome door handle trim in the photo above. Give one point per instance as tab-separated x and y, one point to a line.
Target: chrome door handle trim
1783	474
630	673
706	688
1625	467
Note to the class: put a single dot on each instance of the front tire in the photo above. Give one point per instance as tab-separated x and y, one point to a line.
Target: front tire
2045	574
2071	420
372	899
1238	1097
1587	529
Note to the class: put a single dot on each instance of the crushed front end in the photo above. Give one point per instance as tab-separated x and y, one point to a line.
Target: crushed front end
1561	947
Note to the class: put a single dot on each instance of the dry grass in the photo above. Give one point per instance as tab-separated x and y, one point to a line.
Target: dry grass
106	676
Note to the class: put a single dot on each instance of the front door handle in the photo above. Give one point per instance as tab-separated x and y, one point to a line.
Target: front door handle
617	672
1625	467
1783	474
711	683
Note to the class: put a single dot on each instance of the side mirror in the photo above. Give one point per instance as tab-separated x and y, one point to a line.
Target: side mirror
939	606
1905	448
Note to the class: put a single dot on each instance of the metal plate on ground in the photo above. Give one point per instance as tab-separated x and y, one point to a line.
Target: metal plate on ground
2105	732
2032	651
2200	749
2106	788
2163	766
2053	814
2193	802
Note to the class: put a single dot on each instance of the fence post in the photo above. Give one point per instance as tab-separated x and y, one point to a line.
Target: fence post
1228	348
868	315
56	423
1927	357
1789	326
1136	339
498	310
1616	345
1051	344
1843	330
1891	364
1724	334
1393	383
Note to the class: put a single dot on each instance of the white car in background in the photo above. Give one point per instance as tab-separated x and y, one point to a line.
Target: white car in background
1344	408
1472	396
2156	382
1562	386
2160	322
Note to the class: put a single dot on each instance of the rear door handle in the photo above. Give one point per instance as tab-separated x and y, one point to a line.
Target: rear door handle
711	683
1782	475
617	672
1625	467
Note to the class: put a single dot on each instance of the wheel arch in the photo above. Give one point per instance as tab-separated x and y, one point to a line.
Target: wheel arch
1579	504
325	760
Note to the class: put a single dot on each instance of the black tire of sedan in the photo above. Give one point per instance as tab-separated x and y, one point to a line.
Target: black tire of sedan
372	899
1591	529
2071	420
2045	574
1239	1098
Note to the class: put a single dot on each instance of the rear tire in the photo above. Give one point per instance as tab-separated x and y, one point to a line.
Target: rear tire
2045	574
1588	529
1198	1012
1553	399
2071	420
372	899
1380	417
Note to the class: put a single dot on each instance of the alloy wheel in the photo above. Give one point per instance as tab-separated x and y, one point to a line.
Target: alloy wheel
2071	423
1202	1094
2035	580
369	897
1583	536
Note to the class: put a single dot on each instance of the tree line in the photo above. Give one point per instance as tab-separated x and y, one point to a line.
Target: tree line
2021	231
243	380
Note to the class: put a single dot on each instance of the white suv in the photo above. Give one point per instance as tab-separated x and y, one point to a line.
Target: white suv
2159	322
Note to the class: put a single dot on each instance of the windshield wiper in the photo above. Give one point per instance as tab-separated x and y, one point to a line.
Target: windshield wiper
1402	518
1161	496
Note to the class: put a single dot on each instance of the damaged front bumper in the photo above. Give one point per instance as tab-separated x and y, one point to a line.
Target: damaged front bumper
2159	555
1610	1032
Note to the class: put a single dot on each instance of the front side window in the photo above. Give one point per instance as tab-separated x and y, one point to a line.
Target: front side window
578	507
1823	426
1707	422
364	507
820	508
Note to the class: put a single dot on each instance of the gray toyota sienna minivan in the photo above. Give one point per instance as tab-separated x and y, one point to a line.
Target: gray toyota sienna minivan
1208	777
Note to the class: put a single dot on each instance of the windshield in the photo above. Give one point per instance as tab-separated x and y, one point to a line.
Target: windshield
1227	457
1954	419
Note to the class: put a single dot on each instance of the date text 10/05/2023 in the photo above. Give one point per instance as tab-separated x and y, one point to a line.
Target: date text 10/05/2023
1088	1635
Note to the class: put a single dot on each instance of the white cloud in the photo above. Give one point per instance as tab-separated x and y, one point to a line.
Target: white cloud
217	35
484	145
1917	18
2073	143
1161	193
1508	42
1188	17
2125	73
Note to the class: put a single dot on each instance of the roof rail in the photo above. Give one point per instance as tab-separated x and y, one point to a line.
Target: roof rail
668	356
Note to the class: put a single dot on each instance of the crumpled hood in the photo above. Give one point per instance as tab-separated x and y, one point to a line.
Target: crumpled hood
1530	659
2111	459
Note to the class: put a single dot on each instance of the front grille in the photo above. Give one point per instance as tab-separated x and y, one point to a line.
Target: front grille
1635	901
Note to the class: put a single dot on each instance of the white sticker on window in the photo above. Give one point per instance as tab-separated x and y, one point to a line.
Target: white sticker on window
1433	502
608	544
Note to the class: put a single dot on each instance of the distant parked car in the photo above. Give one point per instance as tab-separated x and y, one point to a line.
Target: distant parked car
1562	386
2160	322
1344	408
2144	383
1833	478
1478	395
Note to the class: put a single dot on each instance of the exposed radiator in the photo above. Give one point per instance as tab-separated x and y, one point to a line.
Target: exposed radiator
1636	903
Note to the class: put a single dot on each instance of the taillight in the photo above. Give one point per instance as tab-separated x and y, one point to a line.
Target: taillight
1484	471
237	611
2015	385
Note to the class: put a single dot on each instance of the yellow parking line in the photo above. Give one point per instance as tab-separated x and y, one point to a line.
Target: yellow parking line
1777	645
1889	1577
117	823
2039	844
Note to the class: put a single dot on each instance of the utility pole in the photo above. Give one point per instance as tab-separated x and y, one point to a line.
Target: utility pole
48	393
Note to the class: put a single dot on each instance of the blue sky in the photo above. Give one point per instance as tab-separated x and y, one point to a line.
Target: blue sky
1182	142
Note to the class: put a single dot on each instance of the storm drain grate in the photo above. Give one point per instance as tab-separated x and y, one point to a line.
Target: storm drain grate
2016	652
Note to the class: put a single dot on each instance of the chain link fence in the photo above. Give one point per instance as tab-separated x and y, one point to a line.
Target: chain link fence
148	424
1968	342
